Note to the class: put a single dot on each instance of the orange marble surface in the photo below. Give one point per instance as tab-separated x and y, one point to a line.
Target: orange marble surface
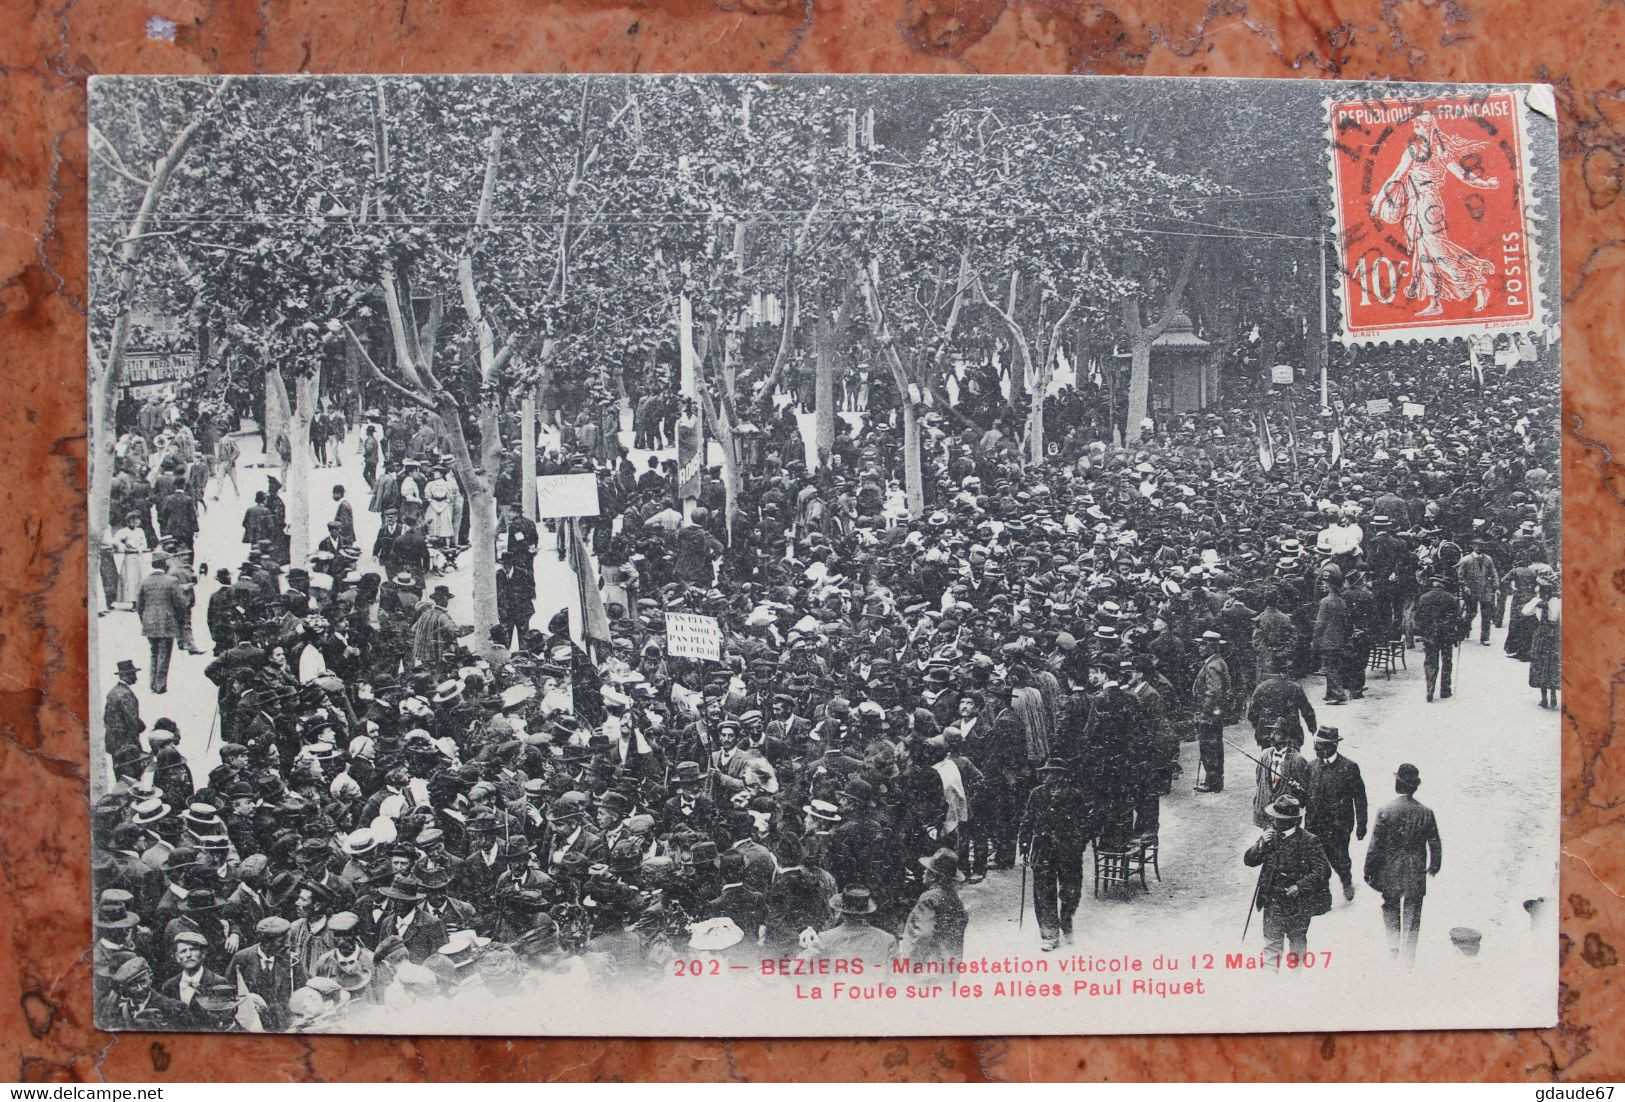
47	52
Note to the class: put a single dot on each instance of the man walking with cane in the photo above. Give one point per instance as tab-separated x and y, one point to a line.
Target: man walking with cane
1439	623
1055	830
1294	885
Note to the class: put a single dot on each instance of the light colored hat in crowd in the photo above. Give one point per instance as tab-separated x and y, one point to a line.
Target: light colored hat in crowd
714	935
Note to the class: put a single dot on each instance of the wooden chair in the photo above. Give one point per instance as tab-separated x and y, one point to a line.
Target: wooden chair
1386	657
1120	867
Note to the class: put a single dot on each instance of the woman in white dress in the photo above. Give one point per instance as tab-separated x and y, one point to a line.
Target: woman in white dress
439	518
130	550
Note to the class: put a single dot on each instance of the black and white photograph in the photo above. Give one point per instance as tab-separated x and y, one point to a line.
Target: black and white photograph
809	556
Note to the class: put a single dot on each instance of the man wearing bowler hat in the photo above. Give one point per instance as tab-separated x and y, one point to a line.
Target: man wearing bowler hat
1293	884
1055	829
1404	852
1337	803
856	938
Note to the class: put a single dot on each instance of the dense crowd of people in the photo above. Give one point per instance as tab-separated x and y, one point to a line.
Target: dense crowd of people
902	704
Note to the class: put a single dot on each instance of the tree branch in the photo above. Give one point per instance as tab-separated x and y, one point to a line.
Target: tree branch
377	373
400	326
1170	302
110	154
1010	323
484	338
798	243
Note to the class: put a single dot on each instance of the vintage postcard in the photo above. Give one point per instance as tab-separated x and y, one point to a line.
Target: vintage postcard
766	555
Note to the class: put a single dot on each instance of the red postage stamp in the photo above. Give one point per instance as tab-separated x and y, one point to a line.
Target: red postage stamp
1433	226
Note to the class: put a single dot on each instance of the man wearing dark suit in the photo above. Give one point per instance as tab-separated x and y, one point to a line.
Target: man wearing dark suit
405	919
1293	886
383	545
135	1004
344	517
1404	852
1362	605
1385	555
410	549
1055	830
177	515
1336	804
935	929
246	904
522	543
1210	695
1278	698
798	899
1333	633
689	807
257	521
516	597
194	977
1439	623
266	970
569	836
121	715
747	908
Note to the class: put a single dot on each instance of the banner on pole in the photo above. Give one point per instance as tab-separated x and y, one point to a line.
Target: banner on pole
690	457
690	635
148	371
566	495
1281	373
1378	405
1413	409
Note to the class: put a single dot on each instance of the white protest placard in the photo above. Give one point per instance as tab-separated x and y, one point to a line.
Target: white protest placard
566	495
690	635
1281	373
1413	409
1378	405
